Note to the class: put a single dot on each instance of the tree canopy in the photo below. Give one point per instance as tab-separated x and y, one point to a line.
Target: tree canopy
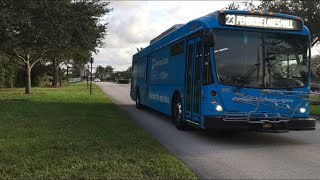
309	10
104	73
32	30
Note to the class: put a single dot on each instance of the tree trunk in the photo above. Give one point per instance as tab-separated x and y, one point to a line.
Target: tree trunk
28	81
55	65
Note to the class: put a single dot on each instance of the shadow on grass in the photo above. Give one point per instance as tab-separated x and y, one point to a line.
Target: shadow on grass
50	116
11	100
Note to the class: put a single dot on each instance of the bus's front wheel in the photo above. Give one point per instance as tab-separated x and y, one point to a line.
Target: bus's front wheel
177	115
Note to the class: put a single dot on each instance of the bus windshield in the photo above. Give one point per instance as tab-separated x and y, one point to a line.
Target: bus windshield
261	60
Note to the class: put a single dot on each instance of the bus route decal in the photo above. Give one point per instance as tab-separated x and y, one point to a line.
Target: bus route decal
160	62
157	97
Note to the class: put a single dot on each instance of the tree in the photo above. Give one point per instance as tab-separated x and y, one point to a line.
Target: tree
109	73
23	33
308	10
129	69
100	71
109	69
244	5
315	60
8	71
315	64
85	31
104	73
233	6
32	30
128	72
79	60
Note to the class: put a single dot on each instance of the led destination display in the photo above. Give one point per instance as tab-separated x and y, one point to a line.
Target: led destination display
256	21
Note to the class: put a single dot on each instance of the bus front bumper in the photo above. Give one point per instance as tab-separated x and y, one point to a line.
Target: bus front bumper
294	124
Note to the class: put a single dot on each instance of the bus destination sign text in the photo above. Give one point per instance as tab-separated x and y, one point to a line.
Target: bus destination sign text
256	21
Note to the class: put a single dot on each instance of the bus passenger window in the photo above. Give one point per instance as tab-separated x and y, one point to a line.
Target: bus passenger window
207	71
177	48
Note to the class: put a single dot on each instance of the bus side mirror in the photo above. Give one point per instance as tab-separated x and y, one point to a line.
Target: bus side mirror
208	39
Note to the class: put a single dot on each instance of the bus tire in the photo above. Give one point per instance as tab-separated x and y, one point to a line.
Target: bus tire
138	100
177	116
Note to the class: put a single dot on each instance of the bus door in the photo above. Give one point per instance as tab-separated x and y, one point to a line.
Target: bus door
193	80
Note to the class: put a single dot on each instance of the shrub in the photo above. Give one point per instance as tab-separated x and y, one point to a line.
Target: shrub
123	81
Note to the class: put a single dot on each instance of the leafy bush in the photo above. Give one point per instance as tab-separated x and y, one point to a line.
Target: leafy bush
8	72
123	81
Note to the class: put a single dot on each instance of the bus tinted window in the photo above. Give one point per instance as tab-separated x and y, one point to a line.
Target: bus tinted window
189	77
261	60
286	58
197	74
177	48
235	53
207	70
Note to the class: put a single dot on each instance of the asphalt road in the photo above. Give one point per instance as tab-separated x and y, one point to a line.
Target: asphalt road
246	155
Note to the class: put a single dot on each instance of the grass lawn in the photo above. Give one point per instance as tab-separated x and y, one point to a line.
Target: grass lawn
315	110
64	133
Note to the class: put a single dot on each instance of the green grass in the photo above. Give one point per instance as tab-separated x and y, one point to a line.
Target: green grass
66	133
315	108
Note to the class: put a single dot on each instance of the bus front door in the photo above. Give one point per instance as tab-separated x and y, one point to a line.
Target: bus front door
193	80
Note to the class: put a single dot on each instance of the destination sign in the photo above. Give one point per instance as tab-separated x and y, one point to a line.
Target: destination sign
258	21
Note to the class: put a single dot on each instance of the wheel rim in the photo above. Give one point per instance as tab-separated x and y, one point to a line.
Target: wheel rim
138	100
177	111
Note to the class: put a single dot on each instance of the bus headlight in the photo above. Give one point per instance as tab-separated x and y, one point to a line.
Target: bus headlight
303	110
219	108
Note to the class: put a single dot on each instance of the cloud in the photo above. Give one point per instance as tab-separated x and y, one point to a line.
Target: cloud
119	58
133	24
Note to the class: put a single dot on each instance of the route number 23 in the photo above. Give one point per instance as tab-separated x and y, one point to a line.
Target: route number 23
230	19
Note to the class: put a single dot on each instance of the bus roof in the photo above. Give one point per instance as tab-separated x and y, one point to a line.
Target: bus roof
214	20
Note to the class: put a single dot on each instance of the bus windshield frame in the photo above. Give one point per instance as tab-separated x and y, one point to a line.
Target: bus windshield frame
256	59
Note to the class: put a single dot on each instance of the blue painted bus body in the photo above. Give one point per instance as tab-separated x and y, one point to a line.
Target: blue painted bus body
158	74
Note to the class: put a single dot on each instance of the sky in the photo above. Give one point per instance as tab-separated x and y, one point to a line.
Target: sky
132	24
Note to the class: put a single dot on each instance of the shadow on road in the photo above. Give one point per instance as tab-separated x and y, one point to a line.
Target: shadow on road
235	138
249	138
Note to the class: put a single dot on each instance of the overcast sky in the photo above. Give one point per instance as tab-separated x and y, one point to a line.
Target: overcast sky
133	24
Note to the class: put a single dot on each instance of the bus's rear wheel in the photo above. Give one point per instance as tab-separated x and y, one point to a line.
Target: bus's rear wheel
138	102
177	115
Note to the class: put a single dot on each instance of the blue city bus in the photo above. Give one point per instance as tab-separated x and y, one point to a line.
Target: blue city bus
228	70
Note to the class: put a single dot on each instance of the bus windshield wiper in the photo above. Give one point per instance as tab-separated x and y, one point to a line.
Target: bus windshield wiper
278	76
244	78
253	68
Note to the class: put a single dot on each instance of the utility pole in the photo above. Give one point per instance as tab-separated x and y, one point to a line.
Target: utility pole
88	76
91	61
